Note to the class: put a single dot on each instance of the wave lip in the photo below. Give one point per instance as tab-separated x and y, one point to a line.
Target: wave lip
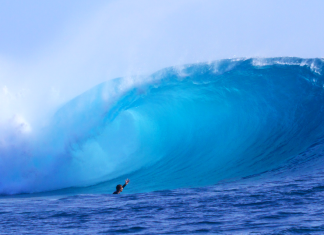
185	126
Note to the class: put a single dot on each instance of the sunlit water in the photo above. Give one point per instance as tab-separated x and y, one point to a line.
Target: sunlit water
232	146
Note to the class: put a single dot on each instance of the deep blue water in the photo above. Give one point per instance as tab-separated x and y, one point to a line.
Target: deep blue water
282	206
232	146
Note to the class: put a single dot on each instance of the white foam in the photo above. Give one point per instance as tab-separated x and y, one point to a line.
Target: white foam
260	62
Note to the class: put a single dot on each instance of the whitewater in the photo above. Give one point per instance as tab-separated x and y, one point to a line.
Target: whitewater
205	145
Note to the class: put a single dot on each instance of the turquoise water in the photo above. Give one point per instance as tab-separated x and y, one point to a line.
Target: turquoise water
213	146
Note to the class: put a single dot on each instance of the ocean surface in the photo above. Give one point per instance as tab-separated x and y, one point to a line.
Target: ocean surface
227	147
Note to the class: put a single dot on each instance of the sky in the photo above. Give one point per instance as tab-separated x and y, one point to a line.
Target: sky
52	51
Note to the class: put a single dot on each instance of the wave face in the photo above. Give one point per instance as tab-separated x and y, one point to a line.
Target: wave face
185	126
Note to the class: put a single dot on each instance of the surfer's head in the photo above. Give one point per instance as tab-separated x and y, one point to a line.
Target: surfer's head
119	188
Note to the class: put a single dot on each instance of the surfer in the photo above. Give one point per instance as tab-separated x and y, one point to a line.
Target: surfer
119	187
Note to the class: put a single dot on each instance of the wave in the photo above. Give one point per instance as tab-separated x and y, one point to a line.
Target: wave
184	126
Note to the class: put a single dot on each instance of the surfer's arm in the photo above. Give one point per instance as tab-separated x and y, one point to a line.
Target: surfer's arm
126	182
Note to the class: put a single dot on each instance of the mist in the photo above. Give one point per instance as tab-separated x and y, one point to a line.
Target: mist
51	52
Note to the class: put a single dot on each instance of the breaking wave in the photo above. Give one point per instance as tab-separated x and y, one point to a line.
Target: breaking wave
185	126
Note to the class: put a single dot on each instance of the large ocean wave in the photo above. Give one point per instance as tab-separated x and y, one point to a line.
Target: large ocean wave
184	126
